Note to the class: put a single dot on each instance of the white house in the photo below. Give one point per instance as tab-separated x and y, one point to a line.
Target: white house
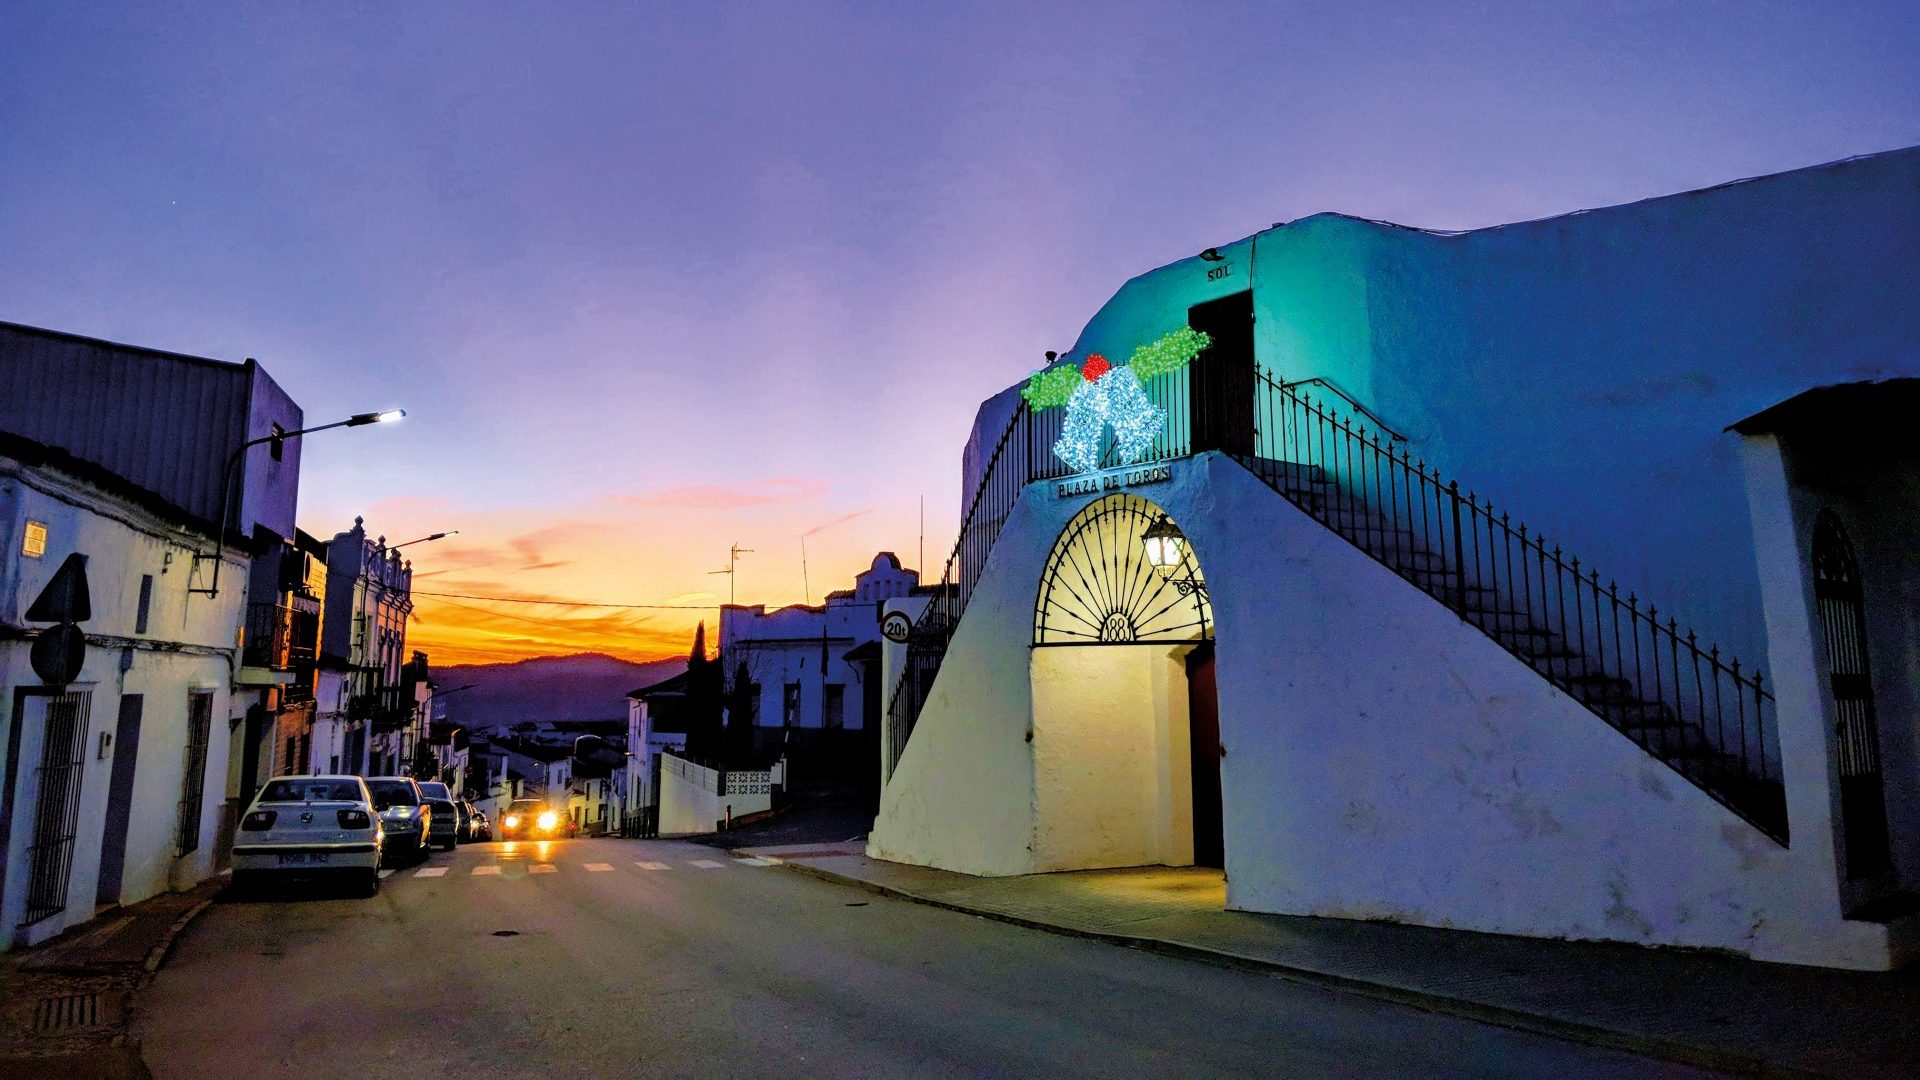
116	769
1553	579
655	725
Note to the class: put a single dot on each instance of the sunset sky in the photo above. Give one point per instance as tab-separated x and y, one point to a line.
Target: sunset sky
653	280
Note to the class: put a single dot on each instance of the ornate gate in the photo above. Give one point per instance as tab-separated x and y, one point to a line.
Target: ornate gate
1843	625
1102	585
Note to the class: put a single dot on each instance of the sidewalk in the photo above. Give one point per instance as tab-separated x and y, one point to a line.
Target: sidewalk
1702	1008
64	1005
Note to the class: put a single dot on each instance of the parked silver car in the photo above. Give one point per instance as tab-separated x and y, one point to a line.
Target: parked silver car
446	816
310	825
404	814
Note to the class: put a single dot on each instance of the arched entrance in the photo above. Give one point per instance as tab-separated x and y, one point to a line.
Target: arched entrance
1123	671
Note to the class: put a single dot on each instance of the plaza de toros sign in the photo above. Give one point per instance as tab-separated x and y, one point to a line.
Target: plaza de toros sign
1094	483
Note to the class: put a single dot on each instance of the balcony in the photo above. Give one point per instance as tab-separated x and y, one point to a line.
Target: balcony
269	638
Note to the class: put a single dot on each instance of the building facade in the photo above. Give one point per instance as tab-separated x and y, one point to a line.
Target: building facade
129	486
369	600
1547	579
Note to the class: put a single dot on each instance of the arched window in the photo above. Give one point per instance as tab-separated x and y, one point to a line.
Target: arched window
1843	626
1106	583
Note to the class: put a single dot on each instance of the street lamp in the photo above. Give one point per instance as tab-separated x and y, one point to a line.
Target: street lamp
276	438
425	539
1167	552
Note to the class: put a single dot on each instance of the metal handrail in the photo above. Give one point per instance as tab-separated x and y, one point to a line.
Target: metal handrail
1349	399
1653	681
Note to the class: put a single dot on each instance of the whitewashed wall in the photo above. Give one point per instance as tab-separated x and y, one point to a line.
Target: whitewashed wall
188	647
691	802
1384	760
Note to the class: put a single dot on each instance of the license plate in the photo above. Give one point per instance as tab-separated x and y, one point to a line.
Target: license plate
303	859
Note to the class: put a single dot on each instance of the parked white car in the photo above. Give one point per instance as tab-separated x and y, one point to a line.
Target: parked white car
310	825
404	814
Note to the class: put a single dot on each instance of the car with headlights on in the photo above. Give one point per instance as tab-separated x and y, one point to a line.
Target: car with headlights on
308	826
404	814
530	819
446	814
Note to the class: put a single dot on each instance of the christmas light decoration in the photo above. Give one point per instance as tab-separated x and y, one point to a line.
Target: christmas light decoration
1097	394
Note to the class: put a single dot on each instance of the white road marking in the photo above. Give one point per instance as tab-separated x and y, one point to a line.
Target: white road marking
479	870
598	866
756	861
430	871
387	873
708	864
543	868
653	866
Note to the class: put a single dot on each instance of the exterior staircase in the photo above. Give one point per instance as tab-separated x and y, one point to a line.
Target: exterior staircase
1703	716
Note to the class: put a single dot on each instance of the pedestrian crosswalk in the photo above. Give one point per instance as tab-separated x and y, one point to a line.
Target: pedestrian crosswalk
652	866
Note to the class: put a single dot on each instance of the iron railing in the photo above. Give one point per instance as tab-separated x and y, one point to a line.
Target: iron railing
1650	678
1704	715
63	757
269	639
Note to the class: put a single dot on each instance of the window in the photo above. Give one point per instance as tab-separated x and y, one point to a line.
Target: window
194	786
146	604
835	706
63	757
33	542
790	706
278	446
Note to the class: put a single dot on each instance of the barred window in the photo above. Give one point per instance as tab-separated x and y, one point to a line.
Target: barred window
193	786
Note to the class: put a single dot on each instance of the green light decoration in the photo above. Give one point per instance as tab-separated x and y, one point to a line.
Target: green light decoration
1097	394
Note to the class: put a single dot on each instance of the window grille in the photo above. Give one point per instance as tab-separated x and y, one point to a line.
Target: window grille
62	762
193	786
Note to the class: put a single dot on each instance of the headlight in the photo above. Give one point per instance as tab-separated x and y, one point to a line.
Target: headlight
513	821
548	820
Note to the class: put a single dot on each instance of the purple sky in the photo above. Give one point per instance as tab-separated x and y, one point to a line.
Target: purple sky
653	280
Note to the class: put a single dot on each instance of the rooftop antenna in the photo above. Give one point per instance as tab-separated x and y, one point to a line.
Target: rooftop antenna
805	585
920	567
733	564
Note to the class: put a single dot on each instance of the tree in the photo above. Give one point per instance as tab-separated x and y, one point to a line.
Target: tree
741	702
705	737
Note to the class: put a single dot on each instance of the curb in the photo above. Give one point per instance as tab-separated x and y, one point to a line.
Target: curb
1427	1001
158	954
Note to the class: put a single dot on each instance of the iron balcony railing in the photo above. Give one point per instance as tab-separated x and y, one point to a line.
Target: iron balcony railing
1652	679
269	640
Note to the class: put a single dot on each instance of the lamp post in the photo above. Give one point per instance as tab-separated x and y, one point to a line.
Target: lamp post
425	539
233	466
1167	552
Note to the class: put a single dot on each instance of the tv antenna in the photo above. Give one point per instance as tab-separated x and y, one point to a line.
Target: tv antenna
733	564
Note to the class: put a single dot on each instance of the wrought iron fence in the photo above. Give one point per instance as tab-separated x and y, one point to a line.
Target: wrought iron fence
1645	674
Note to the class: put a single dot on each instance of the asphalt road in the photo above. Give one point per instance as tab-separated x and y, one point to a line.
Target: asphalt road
697	964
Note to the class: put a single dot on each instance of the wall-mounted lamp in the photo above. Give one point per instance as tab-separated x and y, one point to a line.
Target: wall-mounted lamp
1167	553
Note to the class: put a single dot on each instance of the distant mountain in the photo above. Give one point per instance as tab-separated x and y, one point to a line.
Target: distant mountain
587	686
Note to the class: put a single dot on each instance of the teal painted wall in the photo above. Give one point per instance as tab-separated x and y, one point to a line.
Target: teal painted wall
1581	370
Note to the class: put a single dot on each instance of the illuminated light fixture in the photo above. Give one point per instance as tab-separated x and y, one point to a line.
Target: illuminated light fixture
1167	552
278	438
1213	255
1098	394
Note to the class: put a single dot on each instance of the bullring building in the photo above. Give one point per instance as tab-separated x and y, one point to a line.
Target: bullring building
1553	579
